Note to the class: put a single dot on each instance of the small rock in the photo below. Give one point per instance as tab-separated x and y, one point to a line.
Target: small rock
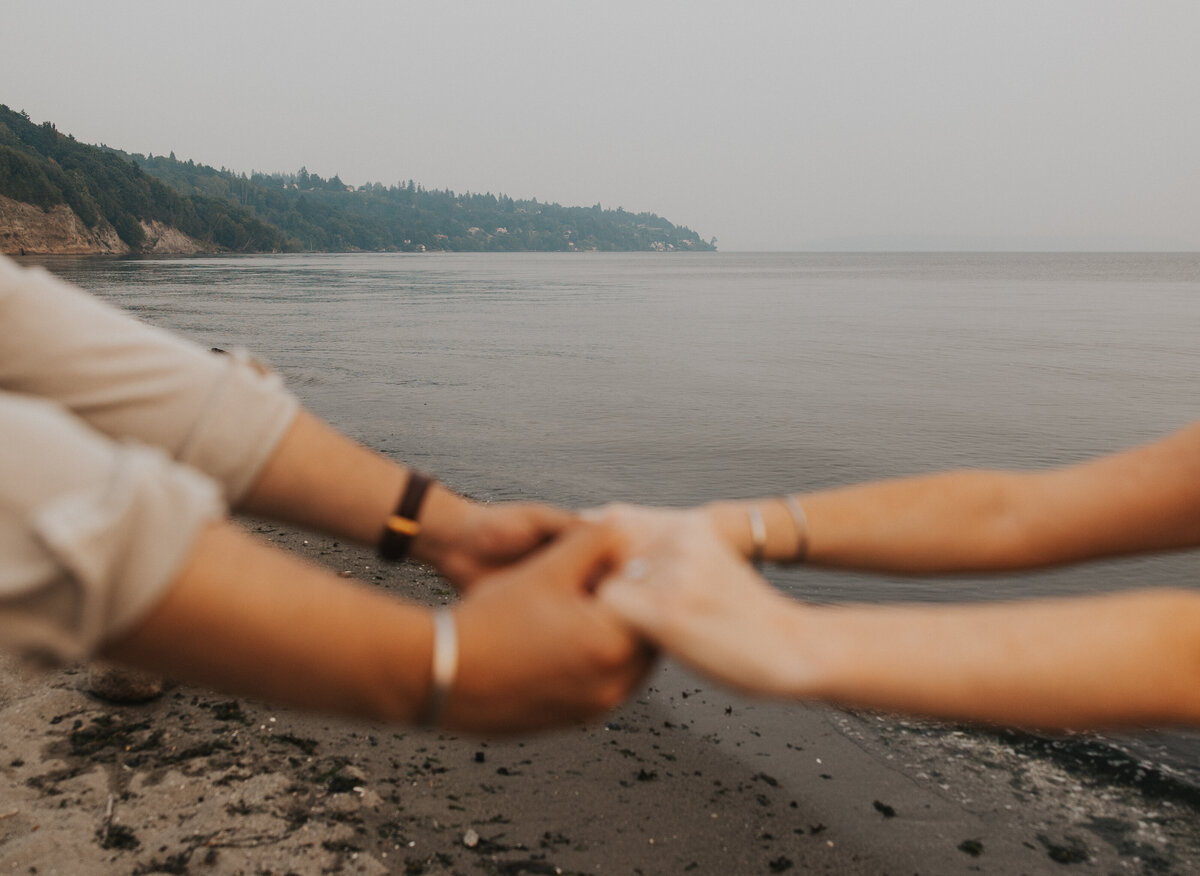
470	838
346	780
121	685
972	847
884	810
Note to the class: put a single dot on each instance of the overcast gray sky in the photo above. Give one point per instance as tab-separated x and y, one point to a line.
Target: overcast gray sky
1022	124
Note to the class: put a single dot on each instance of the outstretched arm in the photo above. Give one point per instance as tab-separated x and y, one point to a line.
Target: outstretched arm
231	418
112	548
321	479
1143	499
1117	660
535	648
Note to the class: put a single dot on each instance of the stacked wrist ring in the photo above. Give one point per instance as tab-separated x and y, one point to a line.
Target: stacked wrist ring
758	534
801	520
445	667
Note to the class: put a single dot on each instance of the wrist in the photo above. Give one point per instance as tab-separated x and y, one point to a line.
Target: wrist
762	529
730	521
799	672
443	521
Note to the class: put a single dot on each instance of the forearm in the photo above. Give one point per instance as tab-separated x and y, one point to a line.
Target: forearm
1119	660
961	521
320	479
246	618
532	649
1143	499
954	521
1112	660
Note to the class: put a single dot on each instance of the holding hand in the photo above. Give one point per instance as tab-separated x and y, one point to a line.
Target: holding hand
320	479
685	589
536	646
1099	661
472	540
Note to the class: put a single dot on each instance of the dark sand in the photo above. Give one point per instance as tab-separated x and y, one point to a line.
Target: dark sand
685	779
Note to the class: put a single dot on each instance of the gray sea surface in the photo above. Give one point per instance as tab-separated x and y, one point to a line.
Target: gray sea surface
676	378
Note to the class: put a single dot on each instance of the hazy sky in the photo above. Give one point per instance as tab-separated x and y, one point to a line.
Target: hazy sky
944	124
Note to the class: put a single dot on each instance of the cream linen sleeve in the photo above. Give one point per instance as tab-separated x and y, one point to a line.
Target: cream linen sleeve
92	531
223	415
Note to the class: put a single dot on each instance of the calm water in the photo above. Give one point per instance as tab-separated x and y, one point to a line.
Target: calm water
674	379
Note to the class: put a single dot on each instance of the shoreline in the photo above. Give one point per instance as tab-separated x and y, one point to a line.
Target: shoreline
686	778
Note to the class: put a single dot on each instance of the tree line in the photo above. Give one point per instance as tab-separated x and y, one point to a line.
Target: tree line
327	214
301	211
40	165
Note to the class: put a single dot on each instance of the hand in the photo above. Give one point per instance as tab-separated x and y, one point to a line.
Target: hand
685	589
469	541
536	648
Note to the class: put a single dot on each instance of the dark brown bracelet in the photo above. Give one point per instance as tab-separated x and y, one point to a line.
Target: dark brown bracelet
403	526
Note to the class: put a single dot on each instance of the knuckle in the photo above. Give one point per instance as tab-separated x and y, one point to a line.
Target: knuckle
606	696
611	653
613	695
614	513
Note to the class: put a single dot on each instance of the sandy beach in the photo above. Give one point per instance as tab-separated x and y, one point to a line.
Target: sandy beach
684	779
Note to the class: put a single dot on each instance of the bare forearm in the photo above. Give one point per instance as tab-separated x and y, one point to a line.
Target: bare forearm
955	521
321	479
532	649
243	617
962	521
1125	659
1128	659
1143	499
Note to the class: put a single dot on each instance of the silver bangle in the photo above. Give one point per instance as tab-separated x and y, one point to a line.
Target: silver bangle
445	667
758	533
801	520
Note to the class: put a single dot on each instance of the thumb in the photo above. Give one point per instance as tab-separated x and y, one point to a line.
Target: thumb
576	559
633	601
546	520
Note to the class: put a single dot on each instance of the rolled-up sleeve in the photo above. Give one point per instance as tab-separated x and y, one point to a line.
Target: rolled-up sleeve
92	531
223	415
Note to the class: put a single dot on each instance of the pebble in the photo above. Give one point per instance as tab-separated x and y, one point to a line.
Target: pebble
121	685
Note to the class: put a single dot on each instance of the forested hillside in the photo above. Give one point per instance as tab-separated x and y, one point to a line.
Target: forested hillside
40	165
326	214
228	211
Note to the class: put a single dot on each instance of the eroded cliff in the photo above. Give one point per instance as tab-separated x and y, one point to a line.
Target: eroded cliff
29	230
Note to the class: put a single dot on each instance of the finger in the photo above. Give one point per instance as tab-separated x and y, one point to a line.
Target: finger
633	602
648	526
629	678
605	513
575	559
548	521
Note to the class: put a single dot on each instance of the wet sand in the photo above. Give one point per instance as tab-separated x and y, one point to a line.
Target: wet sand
685	779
